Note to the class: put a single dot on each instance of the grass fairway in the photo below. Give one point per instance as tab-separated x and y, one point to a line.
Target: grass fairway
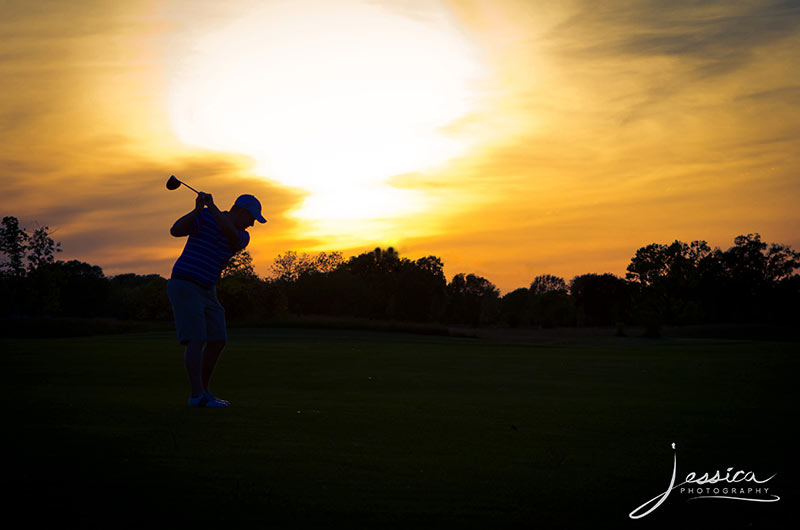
377	430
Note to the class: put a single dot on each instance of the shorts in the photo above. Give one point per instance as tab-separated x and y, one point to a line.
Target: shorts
198	313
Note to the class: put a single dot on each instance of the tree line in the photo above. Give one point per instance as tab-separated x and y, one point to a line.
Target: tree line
676	284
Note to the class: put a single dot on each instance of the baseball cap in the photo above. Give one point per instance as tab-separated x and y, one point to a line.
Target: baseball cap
252	205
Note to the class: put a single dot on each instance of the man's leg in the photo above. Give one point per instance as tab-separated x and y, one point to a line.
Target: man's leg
213	350
193	360
187	305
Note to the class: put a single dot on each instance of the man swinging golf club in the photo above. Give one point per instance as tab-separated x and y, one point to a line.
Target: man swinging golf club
214	237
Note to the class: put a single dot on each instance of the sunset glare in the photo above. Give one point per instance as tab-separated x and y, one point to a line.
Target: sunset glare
332	98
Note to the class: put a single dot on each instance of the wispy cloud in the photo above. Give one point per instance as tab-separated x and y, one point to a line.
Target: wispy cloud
716	36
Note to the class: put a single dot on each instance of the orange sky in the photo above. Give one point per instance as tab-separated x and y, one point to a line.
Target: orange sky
510	138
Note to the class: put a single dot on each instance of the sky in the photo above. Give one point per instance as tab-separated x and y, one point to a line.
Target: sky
509	138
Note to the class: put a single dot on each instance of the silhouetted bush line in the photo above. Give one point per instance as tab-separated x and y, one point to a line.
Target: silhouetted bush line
677	284
351	323
52	327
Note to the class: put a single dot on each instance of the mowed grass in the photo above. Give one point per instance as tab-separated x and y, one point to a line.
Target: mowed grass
378	430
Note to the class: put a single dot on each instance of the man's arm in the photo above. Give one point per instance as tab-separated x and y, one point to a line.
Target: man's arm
183	225
224	222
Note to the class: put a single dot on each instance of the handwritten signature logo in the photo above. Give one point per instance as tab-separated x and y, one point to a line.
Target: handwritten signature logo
739	491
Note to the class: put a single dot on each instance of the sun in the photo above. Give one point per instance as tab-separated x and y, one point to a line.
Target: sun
333	98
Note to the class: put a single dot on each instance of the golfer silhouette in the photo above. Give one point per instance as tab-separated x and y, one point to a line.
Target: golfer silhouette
214	237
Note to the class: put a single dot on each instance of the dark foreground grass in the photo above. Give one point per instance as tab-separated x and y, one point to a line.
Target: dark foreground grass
374	430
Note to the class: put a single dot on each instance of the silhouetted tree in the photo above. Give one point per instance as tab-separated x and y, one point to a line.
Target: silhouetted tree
252	300
326	262
515	308
753	271
239	288
546	283
320	284
290	266
550	305
421	293
600	300
12	250
746	263
668	277
240	264
135	297
41	248
782	261
374	284
34	292
379	271
13	242
72	288
785	301
472	300
683	283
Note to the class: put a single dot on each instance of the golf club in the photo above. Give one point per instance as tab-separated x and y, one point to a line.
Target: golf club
173	184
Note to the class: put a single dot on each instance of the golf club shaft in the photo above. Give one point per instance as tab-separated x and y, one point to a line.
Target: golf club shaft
173	183
191	188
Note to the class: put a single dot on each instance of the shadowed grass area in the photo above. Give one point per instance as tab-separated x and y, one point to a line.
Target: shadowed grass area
367	429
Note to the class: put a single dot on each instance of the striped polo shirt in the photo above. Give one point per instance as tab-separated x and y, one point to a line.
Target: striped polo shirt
207	251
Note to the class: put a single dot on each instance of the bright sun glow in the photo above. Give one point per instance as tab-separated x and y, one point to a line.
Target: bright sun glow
333	98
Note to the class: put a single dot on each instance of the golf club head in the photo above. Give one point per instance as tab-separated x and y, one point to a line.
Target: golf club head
173	183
